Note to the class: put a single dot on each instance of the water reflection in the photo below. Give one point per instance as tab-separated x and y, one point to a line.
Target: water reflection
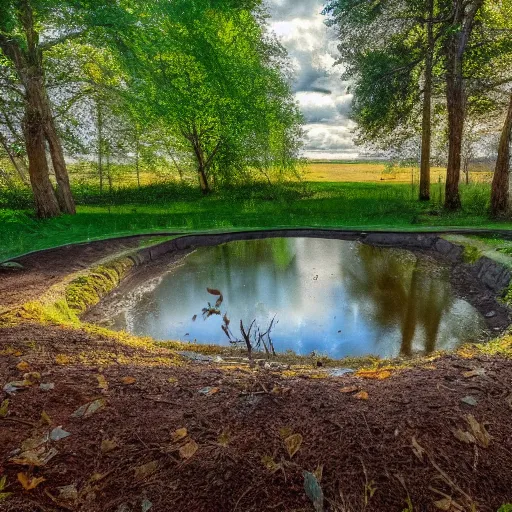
336	297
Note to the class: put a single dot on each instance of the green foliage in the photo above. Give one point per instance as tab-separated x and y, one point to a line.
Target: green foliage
505	508
180	208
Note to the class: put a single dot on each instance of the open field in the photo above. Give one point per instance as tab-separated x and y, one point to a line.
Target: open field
377	172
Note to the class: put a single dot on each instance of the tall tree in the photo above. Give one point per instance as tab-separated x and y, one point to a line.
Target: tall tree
456	43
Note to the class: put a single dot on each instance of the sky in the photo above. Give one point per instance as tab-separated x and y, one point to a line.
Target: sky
318	88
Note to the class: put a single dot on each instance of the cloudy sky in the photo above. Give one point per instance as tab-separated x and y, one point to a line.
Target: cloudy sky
321	94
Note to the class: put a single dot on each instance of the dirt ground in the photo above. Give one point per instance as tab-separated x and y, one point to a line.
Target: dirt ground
434	437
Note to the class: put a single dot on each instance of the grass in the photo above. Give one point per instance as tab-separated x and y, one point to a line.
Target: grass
367	195
180	208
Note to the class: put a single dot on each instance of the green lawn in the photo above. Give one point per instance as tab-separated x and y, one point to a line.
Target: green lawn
181	208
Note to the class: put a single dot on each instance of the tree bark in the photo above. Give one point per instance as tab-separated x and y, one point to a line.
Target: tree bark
500	181
64	195
456	95
427	109
44	195
203	180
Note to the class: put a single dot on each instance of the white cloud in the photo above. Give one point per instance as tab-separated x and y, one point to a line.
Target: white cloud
319	90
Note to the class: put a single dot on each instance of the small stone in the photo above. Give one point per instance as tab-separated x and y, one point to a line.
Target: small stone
339	372
58	433
490	314
469	400
12	265
46	386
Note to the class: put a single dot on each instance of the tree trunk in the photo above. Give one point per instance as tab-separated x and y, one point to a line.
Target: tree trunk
203	180
427	108
463	21
500	185
100	145
64	195
44	195
137	149
18	164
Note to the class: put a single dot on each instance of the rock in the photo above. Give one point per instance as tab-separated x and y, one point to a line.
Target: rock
469	400
339	372
12	265
194	356
490	314
58	433
46	386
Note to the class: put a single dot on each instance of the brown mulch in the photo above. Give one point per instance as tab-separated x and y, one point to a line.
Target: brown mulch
364	446
45	268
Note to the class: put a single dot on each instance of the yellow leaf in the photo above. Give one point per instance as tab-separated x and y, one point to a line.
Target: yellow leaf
4	408
362	395
224	439
45	418
172	380
128	380
179	434
478	430
108	445
188	450
270	463
417	449
478	372
319	471
32	377
102	382
23	366
374	374
146	470
349	389
292	444
29	482
18	353
285	432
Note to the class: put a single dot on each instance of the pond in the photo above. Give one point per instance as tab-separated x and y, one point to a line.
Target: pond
332	297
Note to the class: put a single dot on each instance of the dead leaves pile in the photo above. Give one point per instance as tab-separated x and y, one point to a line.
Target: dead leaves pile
477	433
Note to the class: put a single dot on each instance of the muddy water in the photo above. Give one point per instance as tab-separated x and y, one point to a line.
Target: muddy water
333	297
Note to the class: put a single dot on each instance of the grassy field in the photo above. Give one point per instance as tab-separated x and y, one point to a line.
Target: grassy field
361	203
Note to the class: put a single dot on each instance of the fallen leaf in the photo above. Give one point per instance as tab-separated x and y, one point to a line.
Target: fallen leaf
32	377
3	483
34	442
319	472
213	291
188	450
172	380
4	408
58	433
208	390
270	463
29	482
362	395
292	444
46	386
224	439
142	472
86	410
285	432
374	374
37	457
478	372
68	492
108	445
447	504
349	389
18	353
314	491
128	380
45	418
277	390
23	366
146	505
465	437
417	449
179	434
102	382
478	430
